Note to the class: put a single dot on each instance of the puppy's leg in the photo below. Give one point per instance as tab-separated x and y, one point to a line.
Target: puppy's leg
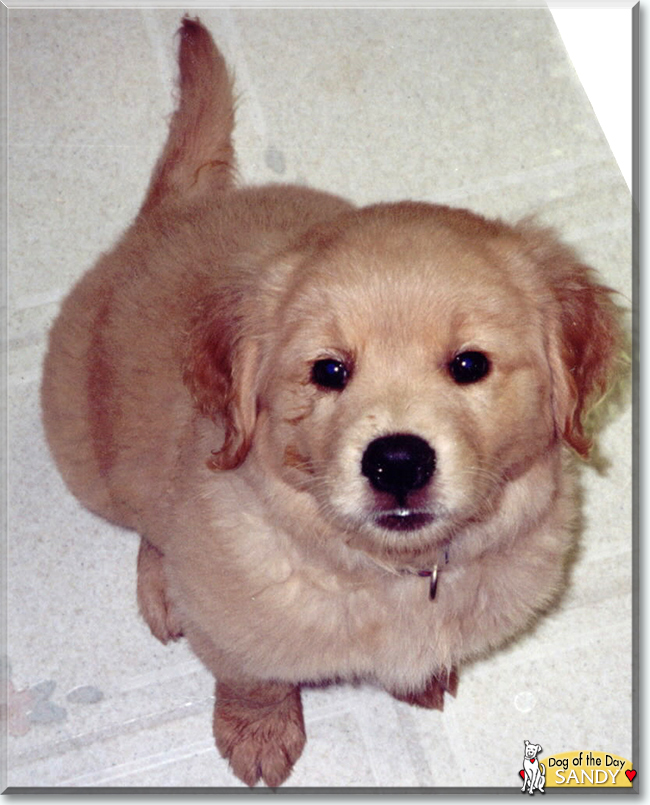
153	602
432	696
258	727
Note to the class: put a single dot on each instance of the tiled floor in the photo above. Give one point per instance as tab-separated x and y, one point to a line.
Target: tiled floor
477	108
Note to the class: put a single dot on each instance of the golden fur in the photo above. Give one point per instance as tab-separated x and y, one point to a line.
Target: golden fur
179	401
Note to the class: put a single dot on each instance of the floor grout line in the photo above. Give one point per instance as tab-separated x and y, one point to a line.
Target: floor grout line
107	776
83	739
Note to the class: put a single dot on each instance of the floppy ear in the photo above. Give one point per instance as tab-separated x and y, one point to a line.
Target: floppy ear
220	371
585	336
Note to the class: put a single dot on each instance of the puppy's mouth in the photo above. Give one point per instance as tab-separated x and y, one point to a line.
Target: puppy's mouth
404	520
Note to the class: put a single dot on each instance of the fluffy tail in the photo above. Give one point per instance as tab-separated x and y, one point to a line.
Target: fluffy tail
198	156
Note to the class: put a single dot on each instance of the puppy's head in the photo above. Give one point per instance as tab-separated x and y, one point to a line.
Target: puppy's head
403	364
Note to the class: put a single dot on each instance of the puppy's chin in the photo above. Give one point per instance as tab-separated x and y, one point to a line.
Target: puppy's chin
403	546
398	535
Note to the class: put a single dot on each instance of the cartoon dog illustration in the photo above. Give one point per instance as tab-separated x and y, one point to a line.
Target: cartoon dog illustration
534	771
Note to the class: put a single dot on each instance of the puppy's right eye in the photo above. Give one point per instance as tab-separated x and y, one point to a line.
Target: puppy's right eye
329	373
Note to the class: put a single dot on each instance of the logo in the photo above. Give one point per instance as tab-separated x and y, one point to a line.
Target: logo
574	770
534	772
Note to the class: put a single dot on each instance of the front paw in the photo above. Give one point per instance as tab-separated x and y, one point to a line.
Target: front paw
432	696
259	730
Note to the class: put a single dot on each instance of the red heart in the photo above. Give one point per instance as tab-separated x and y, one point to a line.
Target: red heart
523	774
532	759
630	774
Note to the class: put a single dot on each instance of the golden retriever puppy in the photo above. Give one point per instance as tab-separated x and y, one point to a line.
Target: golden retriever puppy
339	432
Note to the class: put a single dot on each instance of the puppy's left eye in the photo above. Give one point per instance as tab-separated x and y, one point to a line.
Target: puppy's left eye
330	374
469	367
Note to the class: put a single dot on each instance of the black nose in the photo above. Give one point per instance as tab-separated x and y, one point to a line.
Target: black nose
399	464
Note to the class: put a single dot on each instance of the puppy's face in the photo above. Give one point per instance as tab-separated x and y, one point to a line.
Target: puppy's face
407	382
401	365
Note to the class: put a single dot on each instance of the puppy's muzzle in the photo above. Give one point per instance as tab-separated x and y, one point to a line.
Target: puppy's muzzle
398	464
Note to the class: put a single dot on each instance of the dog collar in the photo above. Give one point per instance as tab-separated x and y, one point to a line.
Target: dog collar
432	574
